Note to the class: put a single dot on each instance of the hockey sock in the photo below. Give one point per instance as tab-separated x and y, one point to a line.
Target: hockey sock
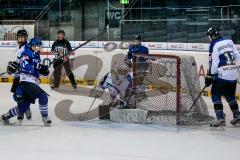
234	106
232	102
236	113
43	105
218	106
219	114
13	112
219	111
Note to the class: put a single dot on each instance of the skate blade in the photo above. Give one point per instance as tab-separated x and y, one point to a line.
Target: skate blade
8	124
29	118
13	124
47	125
20	122
218	125
236	124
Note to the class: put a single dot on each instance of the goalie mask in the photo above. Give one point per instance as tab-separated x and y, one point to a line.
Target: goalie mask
213	33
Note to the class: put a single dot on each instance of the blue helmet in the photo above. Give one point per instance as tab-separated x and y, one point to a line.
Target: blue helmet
35	42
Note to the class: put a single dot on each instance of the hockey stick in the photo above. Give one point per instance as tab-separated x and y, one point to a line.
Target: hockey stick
90	107
2	73
195	101
238	80
97	97
79	46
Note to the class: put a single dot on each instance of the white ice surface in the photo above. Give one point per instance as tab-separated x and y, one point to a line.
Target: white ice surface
104	140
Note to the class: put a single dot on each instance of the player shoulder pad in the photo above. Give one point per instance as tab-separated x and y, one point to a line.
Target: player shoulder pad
213	43
27	53
144	49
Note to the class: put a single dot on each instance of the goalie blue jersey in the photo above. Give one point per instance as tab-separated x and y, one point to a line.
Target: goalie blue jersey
222	57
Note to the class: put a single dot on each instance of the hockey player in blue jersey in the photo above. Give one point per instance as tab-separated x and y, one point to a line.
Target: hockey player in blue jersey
135	48
22	37
222	75
28	89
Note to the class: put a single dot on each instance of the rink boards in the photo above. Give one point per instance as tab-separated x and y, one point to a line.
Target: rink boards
91	64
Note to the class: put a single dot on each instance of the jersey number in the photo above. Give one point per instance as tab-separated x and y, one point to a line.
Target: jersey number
229	58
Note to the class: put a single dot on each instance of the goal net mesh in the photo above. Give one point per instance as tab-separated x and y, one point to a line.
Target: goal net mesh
168	85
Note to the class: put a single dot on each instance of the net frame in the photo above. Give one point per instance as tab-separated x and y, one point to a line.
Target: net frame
178	81
182	90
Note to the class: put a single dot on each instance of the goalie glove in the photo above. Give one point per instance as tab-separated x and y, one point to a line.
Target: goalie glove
13	67
209	80
43	69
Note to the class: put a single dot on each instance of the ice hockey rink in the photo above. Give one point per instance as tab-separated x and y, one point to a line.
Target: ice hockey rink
105	140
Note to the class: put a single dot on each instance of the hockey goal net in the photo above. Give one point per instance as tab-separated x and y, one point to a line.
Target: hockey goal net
167	86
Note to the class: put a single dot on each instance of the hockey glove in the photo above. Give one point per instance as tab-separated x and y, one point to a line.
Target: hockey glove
208	80
43	69
13	67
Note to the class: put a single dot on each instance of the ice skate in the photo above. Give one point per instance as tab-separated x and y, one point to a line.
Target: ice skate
46	121
20	118
236	120
4	119
28	114
218	123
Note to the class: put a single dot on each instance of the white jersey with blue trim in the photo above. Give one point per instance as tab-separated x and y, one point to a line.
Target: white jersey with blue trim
20	50
222	57
119	87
